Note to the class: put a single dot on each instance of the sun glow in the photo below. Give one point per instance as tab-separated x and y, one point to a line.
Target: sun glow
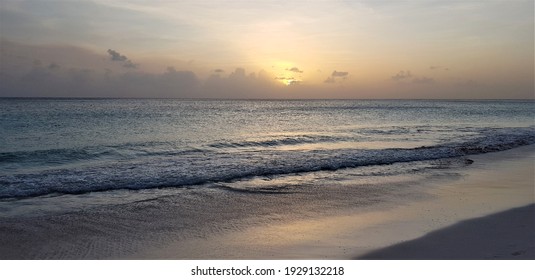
291	82
287	73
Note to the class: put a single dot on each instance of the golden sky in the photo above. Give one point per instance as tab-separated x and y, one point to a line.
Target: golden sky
268	49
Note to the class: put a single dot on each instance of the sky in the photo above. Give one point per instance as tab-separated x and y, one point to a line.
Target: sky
268	49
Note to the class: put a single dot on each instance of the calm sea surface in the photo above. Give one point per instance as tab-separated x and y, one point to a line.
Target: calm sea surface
55	147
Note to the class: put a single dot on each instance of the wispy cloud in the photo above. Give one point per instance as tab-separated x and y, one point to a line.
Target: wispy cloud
402	75
336	76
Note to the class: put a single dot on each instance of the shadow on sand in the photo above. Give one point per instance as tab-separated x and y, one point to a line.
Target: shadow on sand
505	235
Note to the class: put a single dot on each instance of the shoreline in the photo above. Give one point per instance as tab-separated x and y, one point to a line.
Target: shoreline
309	224
494	182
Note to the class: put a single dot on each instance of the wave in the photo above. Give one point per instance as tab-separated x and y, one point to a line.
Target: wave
282	141
191	169
54	157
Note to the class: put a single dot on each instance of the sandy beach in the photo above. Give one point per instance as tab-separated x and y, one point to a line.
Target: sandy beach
439	226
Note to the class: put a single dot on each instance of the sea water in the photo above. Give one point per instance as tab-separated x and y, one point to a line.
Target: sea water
73	146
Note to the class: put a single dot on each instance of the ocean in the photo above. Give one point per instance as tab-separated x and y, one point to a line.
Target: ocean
191	167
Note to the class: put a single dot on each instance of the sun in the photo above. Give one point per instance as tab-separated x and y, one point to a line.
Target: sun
292	82
288	81
287	73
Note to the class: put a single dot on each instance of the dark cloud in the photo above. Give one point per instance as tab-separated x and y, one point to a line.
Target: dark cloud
339	74
55	82
219	70
401	75
423	80
294	69
46	81
75	72
116	56
284	78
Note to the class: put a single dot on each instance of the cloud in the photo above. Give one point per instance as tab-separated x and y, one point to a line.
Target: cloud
116	56
67	71
64	71
294	69
51	80
335	75
406	75
423	80
294	83
432	67
339	74
401	75
219	70
240	84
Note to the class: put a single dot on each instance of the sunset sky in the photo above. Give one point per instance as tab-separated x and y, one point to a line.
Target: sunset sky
267	49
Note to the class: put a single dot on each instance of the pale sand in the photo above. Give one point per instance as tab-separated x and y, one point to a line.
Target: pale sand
493	183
